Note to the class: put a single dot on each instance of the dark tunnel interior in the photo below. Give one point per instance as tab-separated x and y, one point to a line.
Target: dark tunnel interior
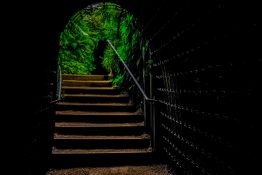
206	75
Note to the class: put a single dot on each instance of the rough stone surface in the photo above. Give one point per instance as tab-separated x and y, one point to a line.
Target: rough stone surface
118	170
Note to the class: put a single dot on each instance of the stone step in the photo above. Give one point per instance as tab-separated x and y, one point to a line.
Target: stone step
97	125
106	107
101	142
85	77
99	151
89	83
90	90
99	117
100	157
81	128
98	98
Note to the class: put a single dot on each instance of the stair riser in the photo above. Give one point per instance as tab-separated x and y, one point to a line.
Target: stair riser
100	130
85	78
101	144
97	99
92	91
96	160
89	84
100	119
96	108
89	116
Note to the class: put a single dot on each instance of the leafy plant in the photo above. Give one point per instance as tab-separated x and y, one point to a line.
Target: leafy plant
89	26
117	81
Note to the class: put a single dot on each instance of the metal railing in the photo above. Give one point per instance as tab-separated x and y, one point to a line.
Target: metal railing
149	120
50	100
132	75
59	85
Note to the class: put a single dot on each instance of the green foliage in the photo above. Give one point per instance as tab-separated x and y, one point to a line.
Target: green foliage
87	27
110	61
117	81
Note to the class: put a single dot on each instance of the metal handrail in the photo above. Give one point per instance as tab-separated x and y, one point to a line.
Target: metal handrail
59	89
131	74
59	86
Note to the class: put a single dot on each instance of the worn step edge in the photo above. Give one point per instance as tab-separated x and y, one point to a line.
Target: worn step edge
90	113
79	89
96	125
89	88
104	83
56	151
87	81
96	95
83	137
93	104
77	76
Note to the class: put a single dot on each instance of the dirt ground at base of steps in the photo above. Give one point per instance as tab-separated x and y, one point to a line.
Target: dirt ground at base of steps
117	170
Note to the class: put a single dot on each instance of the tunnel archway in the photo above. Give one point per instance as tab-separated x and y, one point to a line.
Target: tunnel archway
83	43
211	49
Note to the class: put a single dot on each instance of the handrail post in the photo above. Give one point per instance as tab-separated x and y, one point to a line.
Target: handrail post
59	88
58	85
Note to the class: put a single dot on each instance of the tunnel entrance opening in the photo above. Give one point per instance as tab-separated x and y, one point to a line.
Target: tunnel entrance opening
83	46
205	55
101	117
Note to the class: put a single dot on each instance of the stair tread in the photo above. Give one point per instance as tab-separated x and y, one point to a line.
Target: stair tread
83	137
81	133
71	112
89	88
96	95
88	81
83	125
94	104
78	75
101	151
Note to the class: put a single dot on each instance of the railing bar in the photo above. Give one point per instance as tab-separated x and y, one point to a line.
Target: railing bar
60	82
130	73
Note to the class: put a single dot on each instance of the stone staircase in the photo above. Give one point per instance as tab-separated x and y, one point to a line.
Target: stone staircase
97	124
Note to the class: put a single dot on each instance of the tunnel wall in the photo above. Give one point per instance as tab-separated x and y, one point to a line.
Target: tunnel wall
32	30
205	76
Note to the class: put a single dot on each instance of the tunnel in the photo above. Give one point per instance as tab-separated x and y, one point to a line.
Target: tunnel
205	75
